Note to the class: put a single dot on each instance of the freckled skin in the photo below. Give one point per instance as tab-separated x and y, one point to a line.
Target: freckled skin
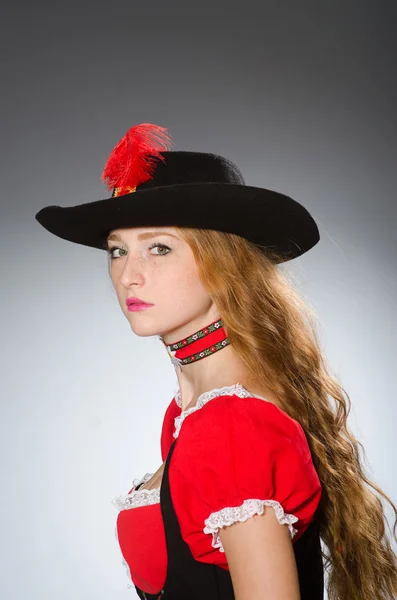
168	280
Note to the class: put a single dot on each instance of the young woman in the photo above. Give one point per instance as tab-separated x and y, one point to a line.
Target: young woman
259	466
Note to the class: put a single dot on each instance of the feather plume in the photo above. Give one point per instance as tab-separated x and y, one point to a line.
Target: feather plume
132	161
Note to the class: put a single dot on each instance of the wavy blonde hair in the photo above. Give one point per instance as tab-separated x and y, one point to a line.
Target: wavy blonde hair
273	330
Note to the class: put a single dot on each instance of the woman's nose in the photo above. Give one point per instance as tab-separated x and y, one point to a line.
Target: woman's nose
133	271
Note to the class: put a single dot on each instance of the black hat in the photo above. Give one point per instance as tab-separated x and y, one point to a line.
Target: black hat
154	186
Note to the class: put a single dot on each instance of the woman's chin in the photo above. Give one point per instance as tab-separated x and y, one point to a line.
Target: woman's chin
142	327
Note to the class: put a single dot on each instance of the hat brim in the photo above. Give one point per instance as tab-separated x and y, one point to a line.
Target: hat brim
264	217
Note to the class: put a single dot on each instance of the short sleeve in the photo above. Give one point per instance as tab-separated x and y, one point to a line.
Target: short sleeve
234	458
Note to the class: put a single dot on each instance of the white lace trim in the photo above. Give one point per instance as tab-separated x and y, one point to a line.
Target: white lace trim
230	515
138	497
236	389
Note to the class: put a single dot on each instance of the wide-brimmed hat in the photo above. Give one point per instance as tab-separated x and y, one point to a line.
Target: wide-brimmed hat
155	186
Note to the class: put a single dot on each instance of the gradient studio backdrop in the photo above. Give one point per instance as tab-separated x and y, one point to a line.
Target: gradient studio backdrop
302	97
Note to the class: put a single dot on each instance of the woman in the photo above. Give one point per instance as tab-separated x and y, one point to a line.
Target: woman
258	466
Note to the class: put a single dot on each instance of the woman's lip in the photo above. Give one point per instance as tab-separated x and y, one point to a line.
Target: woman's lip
137	301
135	306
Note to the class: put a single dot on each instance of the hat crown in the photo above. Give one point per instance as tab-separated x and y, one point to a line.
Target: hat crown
183	166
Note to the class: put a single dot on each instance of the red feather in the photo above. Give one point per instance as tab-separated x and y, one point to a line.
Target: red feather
132	161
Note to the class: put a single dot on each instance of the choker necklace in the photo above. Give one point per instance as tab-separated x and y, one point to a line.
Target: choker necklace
203	343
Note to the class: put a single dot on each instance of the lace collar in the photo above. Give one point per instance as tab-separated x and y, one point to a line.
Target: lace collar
236	389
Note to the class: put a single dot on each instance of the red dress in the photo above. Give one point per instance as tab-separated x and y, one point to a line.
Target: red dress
236	455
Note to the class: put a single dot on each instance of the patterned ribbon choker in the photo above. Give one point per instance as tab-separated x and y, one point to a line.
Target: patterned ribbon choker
203	343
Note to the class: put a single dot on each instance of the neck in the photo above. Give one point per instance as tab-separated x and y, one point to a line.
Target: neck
219	366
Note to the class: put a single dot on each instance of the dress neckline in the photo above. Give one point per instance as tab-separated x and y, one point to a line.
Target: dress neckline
225	390
236	389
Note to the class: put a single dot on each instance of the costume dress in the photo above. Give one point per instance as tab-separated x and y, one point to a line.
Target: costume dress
231	456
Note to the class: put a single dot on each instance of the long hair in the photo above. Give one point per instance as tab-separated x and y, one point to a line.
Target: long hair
273	330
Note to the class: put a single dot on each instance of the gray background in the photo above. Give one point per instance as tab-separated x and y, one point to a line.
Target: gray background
302	97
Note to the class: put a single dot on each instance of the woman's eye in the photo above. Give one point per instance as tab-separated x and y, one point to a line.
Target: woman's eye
111	250
162	247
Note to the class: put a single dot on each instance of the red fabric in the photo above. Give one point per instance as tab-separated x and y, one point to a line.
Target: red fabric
167	438
230	450
140	530
234	449
141	537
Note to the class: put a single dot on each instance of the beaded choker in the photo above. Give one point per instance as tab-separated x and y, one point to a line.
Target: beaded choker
203	343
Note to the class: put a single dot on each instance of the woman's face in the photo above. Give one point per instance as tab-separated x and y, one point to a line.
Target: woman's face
160	269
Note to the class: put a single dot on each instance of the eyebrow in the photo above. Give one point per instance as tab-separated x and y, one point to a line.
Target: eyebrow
143	236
